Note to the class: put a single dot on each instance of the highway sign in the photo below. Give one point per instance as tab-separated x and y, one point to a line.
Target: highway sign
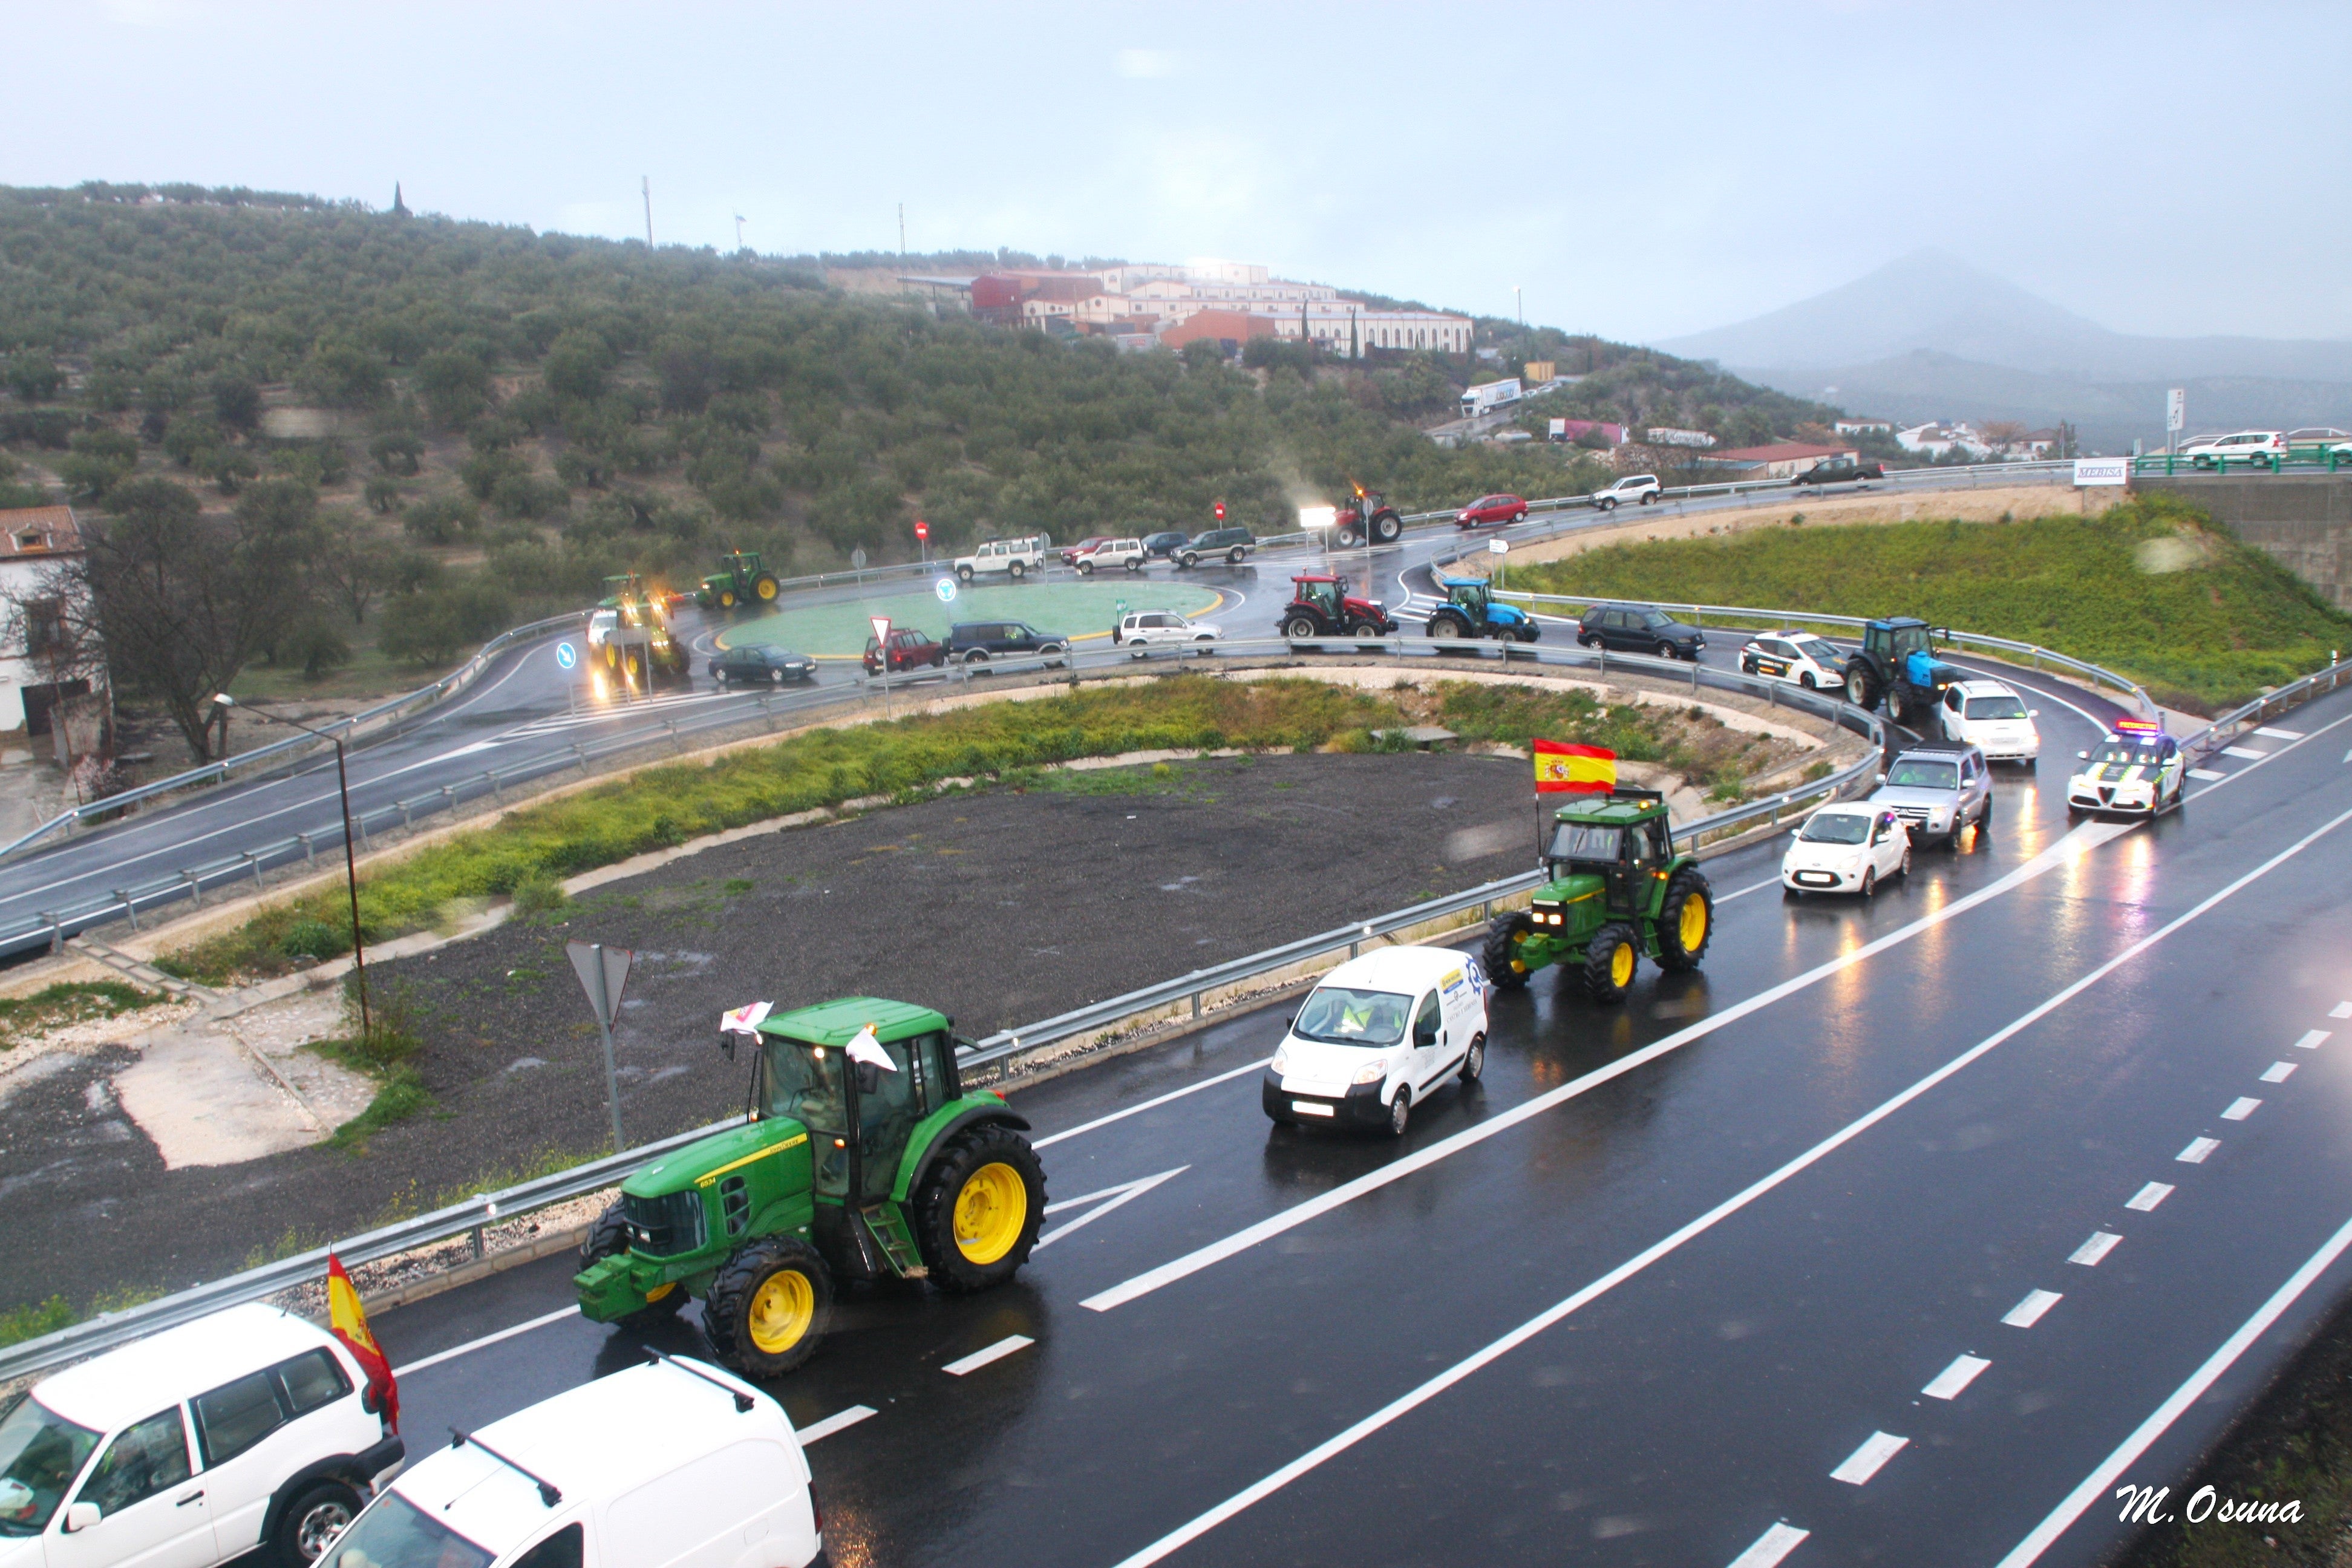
857	558
2101	470
566	655
2176	409
946	589
1499	547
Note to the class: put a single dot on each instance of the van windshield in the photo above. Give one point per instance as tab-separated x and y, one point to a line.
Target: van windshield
40	1454
396	1534
1343	1015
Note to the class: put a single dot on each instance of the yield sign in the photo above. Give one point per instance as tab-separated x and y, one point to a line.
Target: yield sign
881	625
1103	1202
603	972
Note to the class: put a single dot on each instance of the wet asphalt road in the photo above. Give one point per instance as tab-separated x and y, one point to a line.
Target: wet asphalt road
1663	1286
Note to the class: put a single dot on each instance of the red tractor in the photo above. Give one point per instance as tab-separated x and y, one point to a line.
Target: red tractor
1367	515
1319	607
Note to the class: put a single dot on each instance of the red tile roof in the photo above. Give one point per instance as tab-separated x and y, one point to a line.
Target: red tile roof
40	530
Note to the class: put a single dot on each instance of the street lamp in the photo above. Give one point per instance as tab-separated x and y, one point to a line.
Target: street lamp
350	860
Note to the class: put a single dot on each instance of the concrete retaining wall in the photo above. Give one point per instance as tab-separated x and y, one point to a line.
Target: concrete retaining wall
2302	521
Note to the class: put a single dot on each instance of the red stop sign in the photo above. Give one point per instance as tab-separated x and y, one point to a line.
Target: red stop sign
922	529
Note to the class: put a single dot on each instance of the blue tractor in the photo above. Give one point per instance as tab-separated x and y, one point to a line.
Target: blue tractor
1470	611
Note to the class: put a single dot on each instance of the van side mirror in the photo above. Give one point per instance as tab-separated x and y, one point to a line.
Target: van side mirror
81	1516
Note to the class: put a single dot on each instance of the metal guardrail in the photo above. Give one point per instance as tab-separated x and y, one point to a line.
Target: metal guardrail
109	1330
2220	731
2322	456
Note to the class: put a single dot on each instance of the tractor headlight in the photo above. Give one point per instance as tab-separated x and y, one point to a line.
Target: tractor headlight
1372	1071
1281	1063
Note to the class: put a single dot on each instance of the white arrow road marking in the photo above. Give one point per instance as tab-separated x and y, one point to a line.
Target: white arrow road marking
1124	1192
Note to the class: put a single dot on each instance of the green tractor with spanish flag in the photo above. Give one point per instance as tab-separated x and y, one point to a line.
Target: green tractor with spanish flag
1618	890
862	1158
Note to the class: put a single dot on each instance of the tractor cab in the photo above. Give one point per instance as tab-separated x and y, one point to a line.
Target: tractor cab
1323	593
1470	594
1616	846
1896	639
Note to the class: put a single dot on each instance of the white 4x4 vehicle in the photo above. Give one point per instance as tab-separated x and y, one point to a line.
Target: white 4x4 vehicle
1111	553
1141	629
1639	488
247	1428
2217	451
1377	1037
673	1464
1993	719
1014	558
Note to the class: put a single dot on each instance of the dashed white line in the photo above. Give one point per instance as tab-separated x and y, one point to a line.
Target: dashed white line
2341	1010
1743	892
2313	1039
2028	1313
2278	734
454	1351
839	1421
1771	1547
2245	752
981	1358
1152	1104
2206	773
1954	1378
2241	1108
2102	1242
1867	1460
2278	1072
2197	1151
2148	1197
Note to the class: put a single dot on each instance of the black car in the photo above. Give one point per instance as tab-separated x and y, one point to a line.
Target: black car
1639	628
763	662
1839	471
1232	543
1165	543
977	642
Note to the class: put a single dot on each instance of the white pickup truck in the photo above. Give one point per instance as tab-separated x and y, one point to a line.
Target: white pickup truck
1013	558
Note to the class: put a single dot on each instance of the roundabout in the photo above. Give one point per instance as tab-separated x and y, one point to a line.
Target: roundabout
1083	610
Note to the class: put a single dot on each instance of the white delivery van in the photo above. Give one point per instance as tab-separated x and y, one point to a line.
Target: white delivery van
674	1464
1379	1036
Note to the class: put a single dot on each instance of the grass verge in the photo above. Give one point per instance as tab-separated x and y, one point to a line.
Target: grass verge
381	1051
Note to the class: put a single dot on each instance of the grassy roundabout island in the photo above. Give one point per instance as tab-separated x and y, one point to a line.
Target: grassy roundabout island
1081	609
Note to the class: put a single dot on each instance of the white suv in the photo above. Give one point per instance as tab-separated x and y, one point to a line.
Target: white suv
1111	553
1993	719
2217	451
250	1427
1013	558
1639	488
1377	1037
1141	629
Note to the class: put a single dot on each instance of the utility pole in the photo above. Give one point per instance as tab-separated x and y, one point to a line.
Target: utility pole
645	182
1520	300
739	231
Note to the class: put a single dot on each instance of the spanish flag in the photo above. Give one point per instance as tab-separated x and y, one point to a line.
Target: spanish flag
347	1321
1565	768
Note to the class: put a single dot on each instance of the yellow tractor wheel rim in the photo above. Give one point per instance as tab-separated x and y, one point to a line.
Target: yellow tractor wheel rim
1694	922
1518	965
767	590
1621	964
782	1309
726	599
989	1213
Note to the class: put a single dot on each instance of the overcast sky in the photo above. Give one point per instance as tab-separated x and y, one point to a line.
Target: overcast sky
1642	170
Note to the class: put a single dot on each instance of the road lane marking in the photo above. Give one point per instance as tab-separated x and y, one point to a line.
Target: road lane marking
2197	1151
1771	1547
2273	756
2102	1242
1124	1193
1152	1104
839	1421
2028	1313
2278	1072
2080	841
2095	1486
2244	751
2341	1010
1741	893
1954	1378
981	1358
2313	1039
1413	1398
454	1351
2148	1197
1867	1460
2206	773
2241	1108
2277	734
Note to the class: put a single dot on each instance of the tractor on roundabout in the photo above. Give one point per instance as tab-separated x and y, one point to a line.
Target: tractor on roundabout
743	579
862	1158
1618	892
1471	610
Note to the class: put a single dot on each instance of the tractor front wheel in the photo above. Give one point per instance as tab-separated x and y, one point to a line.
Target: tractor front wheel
726	599
1506	966
1529	631
976	1218
769	1307
1685	920
609	1237
1897	709
1610	962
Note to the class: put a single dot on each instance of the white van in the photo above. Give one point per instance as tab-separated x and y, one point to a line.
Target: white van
250	1427
674	1464
1377	1037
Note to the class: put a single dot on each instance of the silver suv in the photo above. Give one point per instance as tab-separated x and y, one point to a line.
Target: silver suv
1938	790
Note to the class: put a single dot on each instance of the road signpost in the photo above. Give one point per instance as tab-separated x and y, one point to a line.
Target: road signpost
922	540
604	971
567	658
946	590
1498	548
881	625
2176	416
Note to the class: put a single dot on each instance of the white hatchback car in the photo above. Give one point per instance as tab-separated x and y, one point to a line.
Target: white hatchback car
1639	488
250	1427
1141	629
1847	848
1991	718
674	1464
1377	1037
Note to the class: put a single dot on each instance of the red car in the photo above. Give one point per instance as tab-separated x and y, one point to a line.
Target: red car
908	649
1491	508
1070	554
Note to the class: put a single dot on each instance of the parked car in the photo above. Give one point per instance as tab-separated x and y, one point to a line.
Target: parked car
1112	554
668	1462
1376	1037
1639	628
1993	719
978	642
1233	543
249	1428
1938	789
1642	488
763	662
1141	629
1800	659
1070	554
1014	558
1164	545
1840	472
909	649
2245	445
1491	508
2318	436
1853	848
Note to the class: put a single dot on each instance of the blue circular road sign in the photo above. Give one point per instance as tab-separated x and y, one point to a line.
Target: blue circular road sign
945	588
566	655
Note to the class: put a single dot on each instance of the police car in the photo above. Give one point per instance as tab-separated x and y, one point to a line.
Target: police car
2138	769
1800	659
1379	1036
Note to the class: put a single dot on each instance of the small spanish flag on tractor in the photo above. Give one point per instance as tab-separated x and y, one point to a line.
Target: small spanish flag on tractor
1563	767
347	1321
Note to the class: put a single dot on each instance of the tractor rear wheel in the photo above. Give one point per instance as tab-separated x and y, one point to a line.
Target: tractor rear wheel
1445	627
1685	920
1503	964
1387	526
1298	627
609	1237
1609	963
769	1306
1862	687
977	1215
765	588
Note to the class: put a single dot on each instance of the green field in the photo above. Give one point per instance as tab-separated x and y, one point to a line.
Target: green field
2151	589
1079	609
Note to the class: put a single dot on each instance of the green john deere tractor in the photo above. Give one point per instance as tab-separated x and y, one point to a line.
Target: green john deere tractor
638	648
743	579
845	1169
1618	890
